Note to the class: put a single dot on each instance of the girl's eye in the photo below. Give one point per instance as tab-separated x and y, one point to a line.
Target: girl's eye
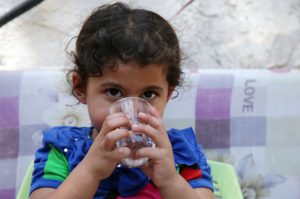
149	95
113	92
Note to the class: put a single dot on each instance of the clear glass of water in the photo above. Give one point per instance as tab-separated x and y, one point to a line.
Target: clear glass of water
132	106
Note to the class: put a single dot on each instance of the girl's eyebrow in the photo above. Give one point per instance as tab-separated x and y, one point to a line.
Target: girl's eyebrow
156	88
110	84
116	85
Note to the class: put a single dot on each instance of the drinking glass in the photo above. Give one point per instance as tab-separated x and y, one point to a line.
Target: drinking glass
132	106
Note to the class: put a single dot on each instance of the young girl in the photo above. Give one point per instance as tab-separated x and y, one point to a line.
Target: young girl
122	52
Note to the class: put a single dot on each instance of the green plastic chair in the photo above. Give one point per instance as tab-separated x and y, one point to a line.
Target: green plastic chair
224	179
25	186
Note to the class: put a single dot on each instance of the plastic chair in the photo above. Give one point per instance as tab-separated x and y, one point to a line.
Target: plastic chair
25	186
224	179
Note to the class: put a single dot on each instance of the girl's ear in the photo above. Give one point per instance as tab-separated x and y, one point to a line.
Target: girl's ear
170	92
78	88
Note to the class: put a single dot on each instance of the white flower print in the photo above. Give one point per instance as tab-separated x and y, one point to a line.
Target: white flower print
67	116
253	184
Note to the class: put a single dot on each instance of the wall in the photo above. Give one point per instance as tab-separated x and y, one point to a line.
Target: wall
213	34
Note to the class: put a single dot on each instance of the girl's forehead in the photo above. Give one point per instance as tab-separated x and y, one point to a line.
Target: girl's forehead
134	70
134	75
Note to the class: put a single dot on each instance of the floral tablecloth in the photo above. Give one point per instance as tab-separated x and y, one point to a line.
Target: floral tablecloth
249	118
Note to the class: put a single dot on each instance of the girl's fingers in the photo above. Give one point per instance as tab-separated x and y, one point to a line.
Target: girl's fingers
109	141
117	120
120	153
113	122
151	153
148	131
145	152
152	119
157	137
154	112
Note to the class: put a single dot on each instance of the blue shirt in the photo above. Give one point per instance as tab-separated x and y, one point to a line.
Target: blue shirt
64	147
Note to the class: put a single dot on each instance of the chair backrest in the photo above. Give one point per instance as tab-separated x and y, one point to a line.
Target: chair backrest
225	181
224	178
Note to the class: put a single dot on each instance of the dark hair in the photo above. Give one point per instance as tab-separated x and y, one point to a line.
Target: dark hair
116	32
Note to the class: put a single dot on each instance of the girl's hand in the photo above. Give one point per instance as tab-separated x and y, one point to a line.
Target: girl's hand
160	168
103	155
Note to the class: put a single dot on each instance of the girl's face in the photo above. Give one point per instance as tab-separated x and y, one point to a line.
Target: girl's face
129	80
